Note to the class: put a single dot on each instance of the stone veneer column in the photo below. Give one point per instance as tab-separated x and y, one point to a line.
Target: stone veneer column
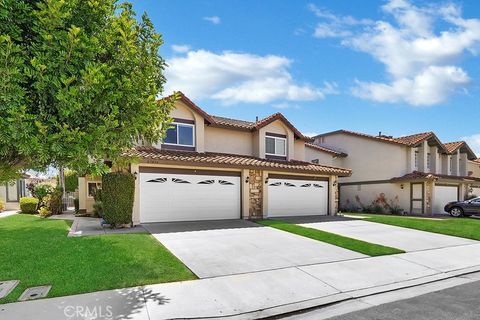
255	193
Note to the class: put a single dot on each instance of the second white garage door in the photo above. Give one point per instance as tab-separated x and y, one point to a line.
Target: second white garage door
168	197
444	195
290	197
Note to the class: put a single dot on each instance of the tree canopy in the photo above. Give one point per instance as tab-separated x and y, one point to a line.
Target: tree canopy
79	81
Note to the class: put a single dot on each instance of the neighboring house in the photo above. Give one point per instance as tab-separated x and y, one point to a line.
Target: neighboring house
417	173
211	167
12	191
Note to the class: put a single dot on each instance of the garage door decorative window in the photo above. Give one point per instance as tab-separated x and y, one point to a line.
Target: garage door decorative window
288	184
275	184
177	180
317	185
159	180
206	182
225	183
306	185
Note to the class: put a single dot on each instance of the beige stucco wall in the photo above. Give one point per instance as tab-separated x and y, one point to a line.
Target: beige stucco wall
368	193
369	159
182	111
323	157
228	141
474	167
85	202
275	127
299	151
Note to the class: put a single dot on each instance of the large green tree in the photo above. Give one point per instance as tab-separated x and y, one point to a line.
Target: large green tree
78	83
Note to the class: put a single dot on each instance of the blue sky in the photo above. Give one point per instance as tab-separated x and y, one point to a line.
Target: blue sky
393	66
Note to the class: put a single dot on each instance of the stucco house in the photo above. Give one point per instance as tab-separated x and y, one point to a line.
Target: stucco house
210	167
11	192
417	173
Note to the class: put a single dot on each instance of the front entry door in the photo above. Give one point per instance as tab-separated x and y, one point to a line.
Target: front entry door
416	198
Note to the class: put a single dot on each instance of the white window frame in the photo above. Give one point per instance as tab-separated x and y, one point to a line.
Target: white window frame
429	161
275	154
97	183
416	159
178	132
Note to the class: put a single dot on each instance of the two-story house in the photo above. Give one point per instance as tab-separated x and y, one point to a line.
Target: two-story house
209	167
417	173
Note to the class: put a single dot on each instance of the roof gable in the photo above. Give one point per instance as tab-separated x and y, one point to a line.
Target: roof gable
452	147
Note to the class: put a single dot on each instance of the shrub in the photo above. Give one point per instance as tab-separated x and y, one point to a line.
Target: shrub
28	205
44	212
377	208
471	196
2	205
71	181
42	189
53	201
118	190
76	203
98	209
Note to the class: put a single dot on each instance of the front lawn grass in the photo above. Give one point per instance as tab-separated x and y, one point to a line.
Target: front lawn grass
459	227
360	246
37	252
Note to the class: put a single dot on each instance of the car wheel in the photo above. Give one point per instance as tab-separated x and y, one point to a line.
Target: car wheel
456	212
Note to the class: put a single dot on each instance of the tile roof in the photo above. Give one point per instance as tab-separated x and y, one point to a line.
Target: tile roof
453	146
414	139
228	122
417	175
223	160
223	122
327	150
410	140
359	134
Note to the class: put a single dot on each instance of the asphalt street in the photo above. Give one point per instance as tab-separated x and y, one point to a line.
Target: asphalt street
459	303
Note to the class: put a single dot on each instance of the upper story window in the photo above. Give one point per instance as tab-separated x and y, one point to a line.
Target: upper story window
451	165
275	145
416	159
429	161
180	134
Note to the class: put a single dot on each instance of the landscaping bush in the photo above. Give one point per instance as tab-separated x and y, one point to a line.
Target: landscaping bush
118	190
97	209
44	212
2	205
28	205
53	201
42	189
471	196
76	203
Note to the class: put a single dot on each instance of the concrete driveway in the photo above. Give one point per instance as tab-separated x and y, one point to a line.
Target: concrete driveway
397	237
219	248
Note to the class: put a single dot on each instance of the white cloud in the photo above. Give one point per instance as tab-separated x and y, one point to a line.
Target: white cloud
310	134
334	26
213	19
181	48
432	86
420	59
232	77
474	142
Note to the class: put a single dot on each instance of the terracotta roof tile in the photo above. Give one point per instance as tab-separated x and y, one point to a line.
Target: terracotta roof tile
364	135
417	175
228	122
327	150
154	155
414	139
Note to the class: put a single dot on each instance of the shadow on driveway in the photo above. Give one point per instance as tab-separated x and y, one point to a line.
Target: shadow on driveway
312	219
171	227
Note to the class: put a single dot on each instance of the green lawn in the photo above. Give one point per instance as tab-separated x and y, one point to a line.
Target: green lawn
364	247
460	227
37	252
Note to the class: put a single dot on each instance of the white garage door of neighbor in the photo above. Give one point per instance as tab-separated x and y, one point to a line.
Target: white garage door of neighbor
444	195
184	197
289	197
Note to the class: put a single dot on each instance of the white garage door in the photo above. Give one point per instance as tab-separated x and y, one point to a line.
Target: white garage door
443	195
289	197
186	197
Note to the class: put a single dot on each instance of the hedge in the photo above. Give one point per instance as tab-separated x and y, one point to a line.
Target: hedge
118	189
28	205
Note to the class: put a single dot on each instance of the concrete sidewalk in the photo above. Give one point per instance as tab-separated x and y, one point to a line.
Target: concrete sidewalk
258	294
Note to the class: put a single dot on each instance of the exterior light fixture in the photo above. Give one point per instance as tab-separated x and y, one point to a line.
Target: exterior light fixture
247	179
266	180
